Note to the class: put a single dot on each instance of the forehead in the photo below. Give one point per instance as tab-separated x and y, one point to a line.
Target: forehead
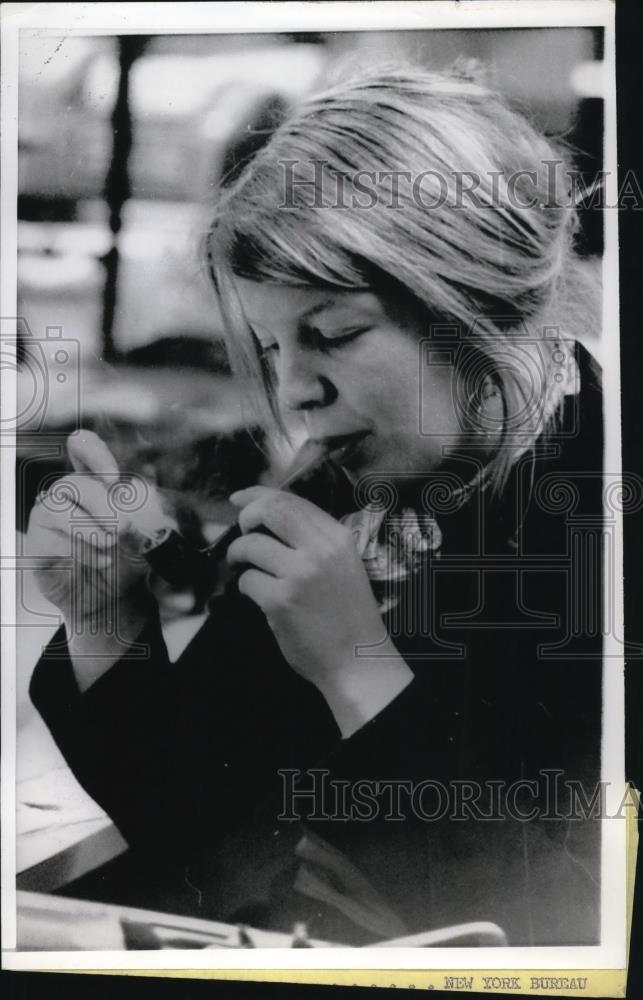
265	304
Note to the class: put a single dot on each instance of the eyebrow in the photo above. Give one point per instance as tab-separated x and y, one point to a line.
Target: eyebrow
326	305
315	310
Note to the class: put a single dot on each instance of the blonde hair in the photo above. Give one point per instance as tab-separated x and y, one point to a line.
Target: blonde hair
500	266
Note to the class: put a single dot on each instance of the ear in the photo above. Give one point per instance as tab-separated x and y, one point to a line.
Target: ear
490	411
489	389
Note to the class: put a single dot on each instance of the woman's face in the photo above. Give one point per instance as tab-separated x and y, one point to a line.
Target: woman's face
357	378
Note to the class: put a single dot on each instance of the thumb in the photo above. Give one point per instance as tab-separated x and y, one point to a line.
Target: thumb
89	453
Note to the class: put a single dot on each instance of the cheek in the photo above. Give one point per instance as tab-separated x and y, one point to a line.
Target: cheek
389	383
440	410
376	391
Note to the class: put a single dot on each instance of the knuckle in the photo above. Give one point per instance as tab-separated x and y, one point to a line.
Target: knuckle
308	571
239	550
278	498
277	503
44	520
287	595
233	550
246	520
72	485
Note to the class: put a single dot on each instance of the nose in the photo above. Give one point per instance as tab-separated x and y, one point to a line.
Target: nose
302	383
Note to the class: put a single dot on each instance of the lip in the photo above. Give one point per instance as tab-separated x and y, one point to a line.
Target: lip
340	446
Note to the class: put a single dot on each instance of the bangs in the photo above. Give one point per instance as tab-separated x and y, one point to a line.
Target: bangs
268	232
289	249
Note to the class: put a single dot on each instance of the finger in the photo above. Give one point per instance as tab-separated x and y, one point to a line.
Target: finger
48	544
146	518
61	524
144	514
261	588
60	507
264	553
89	453
241	498
292	520
73	493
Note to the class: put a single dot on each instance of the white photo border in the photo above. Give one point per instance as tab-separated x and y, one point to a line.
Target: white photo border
54	19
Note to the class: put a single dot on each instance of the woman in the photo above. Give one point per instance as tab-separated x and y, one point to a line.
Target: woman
364	734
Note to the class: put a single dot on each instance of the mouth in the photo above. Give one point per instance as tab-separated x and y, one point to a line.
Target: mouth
340	447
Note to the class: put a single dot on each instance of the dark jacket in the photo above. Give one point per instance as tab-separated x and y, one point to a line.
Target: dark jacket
416	820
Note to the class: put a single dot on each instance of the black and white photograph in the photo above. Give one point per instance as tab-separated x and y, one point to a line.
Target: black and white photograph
312	487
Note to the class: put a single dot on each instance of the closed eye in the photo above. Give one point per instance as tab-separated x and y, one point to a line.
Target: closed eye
322	341
328	341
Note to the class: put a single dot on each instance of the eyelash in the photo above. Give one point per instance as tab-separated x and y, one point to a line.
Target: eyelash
324	343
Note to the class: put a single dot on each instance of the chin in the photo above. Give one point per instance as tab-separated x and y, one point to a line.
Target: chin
384	467
402	471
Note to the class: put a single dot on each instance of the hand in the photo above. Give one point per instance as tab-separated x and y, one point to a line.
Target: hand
308	579
88	544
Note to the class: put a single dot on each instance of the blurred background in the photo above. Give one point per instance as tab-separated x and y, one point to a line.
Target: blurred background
121	141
